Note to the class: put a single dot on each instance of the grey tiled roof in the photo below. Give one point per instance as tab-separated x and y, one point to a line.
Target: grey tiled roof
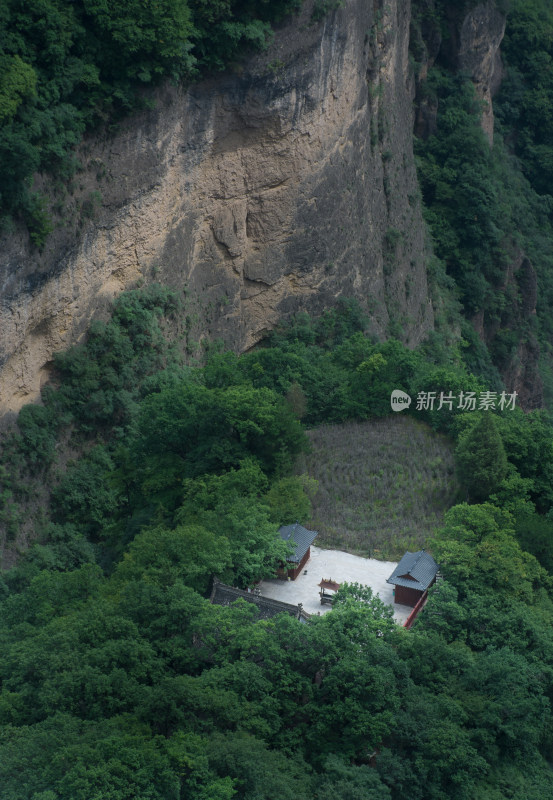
223	595
301	537
421	568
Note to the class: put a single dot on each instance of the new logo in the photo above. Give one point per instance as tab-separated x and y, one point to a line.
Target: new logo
399	400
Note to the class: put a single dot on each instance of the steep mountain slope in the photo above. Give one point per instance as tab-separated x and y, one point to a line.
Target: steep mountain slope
278	187
484	184
290	181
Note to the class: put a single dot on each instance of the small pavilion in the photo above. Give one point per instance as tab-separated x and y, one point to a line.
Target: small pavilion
301	539
412	577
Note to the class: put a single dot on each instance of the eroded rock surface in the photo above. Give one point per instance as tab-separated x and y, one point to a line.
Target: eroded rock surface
480	37
267	191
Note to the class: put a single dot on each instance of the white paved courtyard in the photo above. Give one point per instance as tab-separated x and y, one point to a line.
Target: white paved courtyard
340	567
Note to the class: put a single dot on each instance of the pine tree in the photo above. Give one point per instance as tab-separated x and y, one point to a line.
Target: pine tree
480	458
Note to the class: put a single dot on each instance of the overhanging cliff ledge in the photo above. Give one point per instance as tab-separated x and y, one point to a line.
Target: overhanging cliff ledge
267	190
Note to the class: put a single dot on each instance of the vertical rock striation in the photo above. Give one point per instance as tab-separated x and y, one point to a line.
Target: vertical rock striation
480	36
274	189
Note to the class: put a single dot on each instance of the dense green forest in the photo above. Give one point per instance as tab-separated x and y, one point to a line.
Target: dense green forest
487	207
143	474
120	680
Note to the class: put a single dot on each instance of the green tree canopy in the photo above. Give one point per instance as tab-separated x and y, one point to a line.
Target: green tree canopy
188	553
481	459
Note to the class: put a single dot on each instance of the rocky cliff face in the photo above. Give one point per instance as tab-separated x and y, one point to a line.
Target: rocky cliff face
469	41
273	189
472	46
479	38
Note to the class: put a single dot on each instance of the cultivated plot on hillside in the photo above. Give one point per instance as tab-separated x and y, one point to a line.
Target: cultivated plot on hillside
384	485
